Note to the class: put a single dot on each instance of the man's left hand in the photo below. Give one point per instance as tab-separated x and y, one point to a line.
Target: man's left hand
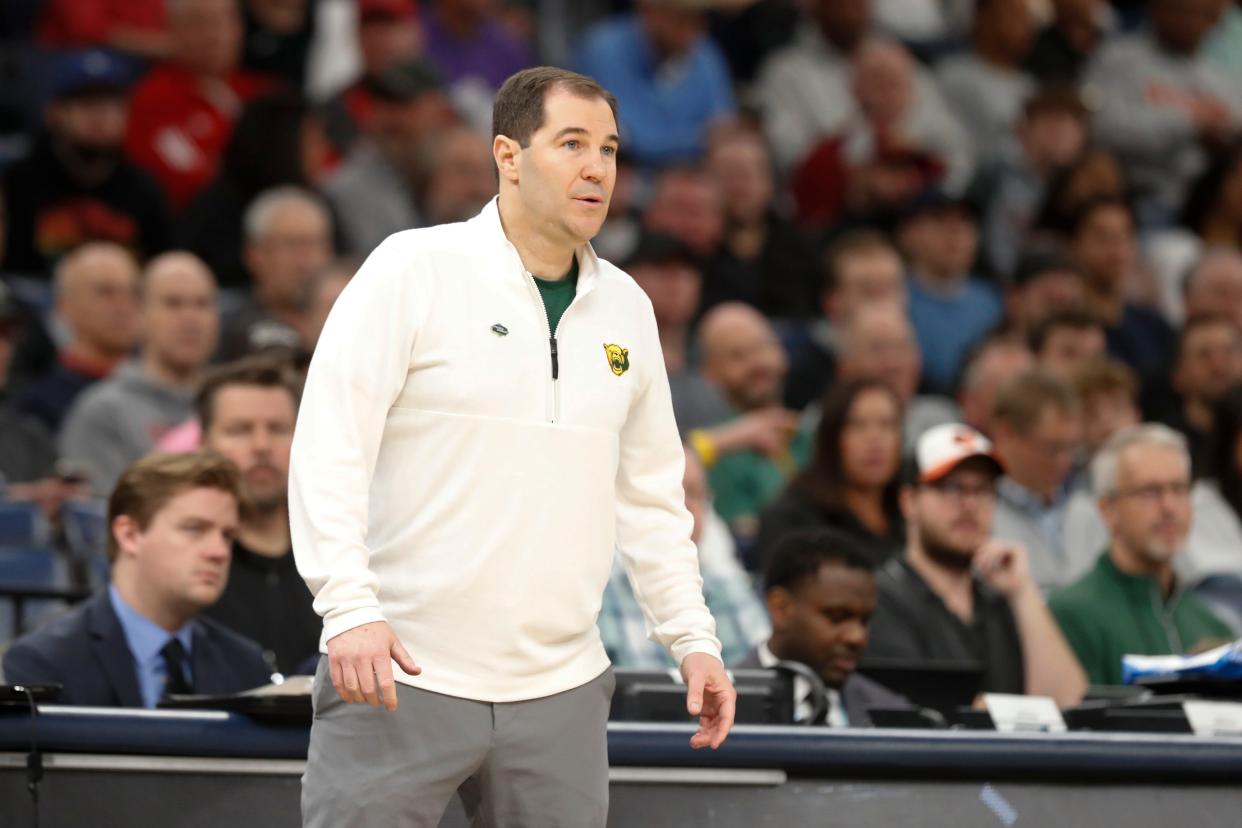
711	697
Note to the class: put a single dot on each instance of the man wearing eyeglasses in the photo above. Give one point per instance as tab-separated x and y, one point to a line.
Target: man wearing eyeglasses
1038	429
958	597
1132	601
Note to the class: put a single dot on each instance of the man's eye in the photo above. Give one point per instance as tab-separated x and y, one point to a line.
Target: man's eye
571	143
610	151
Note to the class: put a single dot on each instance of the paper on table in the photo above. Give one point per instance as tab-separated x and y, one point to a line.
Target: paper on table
292	686
1012	713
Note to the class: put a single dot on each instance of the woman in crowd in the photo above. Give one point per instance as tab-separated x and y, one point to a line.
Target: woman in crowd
852	481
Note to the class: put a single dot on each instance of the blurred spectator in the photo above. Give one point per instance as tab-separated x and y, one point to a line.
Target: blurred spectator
135	27
670	79
820	592
1065	339
1037	426
474	49
1208	363
1096	174
870	168
1212	559
121	418
851	481
1211	220
764	260
373	190
1131	602
1161	101
1044	282
459	176
927	26
76	185
288	240
170	522
1214	285
325	289
1104	246
278	140
97	301
743	357
1108	393
1050	135
741	622
247	410
688	203
804	90
278	36
957	596
183	109
861	267
388	35
877	343
27	452
1063	47
950	309
994	362
669	274
987	86
749	31
1221	46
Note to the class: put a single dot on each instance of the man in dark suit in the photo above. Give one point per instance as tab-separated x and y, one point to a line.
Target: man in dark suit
172	519
820	592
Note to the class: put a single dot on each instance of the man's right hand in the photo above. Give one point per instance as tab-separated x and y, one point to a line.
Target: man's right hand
360	662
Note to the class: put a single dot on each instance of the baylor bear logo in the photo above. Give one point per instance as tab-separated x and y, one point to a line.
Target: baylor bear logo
618	358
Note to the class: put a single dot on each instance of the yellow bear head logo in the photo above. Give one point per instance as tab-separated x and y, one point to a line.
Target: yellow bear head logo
618	358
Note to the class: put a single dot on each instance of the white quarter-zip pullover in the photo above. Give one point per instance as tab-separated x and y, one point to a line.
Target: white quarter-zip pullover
463	475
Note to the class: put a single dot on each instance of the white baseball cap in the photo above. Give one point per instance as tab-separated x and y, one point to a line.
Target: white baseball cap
943	448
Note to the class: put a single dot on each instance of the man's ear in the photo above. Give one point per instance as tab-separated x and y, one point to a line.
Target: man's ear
780	607
506	152
1108	511
126	531
905	499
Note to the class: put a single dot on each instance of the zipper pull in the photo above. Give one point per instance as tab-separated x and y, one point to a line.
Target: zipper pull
556	368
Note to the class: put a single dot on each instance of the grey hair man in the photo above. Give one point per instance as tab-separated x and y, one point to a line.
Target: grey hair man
1132	601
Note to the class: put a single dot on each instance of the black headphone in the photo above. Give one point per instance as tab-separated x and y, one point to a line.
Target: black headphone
819	691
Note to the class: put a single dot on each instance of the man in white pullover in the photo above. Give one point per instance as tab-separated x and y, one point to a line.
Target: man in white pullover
487	417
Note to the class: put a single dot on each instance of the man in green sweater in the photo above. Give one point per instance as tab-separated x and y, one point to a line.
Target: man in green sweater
1131	601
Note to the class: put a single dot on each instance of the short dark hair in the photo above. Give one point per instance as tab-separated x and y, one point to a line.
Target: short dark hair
1075	319
1196	322
798	556
864	242
149	483
263	371
518	110
1091	206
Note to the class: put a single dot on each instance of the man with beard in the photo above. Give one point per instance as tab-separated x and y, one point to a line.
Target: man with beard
247	410
743	357
1208	363
76	185
1132	601
820	592
957	596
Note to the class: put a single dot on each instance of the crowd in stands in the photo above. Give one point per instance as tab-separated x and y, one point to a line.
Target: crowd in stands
949	293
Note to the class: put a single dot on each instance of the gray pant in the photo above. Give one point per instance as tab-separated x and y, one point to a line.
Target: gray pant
542	762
